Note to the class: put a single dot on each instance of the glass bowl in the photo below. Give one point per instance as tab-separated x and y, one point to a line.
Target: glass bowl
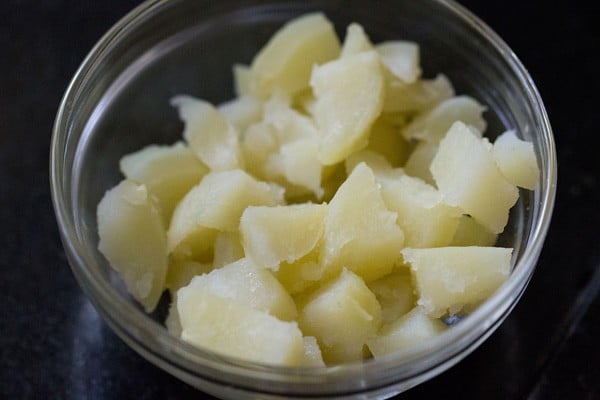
118	102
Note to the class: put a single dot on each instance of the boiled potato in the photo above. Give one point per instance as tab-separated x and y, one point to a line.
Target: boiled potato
286	61
133	240
235	329
242	111
247	283
471	233
473	183
342	315
516	160
168	172
181	273
361	234
395	294
228	248
401	58
419	161
209	134
433	125
449	278
420	95
422	214
413	328
271	235
349	97
356	41
312	352
216	203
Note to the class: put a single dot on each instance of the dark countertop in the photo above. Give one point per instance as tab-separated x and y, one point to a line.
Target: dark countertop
54	345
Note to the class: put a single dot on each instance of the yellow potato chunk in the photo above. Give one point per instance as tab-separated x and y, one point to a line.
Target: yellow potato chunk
450	278
412	329
385	139
235	329
401	58
342	315
394	292
422	214
181	273
360	232
312	352
419	96
133	240
243	82
217	203
356	41
242	111
349	97
250	284
433	125
302	274
516	160
471	233
271	235
228	248
212	138
286	61
419	161
168	172
466	174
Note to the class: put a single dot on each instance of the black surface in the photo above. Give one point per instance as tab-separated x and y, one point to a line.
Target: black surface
53	344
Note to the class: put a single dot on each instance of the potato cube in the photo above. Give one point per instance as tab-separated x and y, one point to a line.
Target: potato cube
385	139
422	215
419	161
450	278
168	172
433	125
360	232
249	284
349	97
286	61
228	248
395	294
419	96
312	352
356	41
235	329
181	273
412	329
342	315
133	240
401	58
212	138
242	112
516	160
271	235
217	203
466	174
471	233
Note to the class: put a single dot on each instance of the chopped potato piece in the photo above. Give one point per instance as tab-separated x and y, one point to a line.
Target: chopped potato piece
228	248
394	292
473	183
181	273
401	58
243	80
272	235
312	352
412	329
342	315
419	161
471	233
286	61
420	95
232	328
356	41
433	125
209	134
249	284
516	160
360	232
385	139
349	97
450	278
168	172
217	203
422	214
133	240
303	274
242	111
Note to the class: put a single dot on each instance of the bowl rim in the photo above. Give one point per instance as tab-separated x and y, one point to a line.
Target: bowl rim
154	342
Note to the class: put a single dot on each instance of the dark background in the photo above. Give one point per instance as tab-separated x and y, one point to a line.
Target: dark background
53	344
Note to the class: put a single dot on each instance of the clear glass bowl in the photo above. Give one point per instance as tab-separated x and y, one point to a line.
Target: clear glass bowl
118	103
